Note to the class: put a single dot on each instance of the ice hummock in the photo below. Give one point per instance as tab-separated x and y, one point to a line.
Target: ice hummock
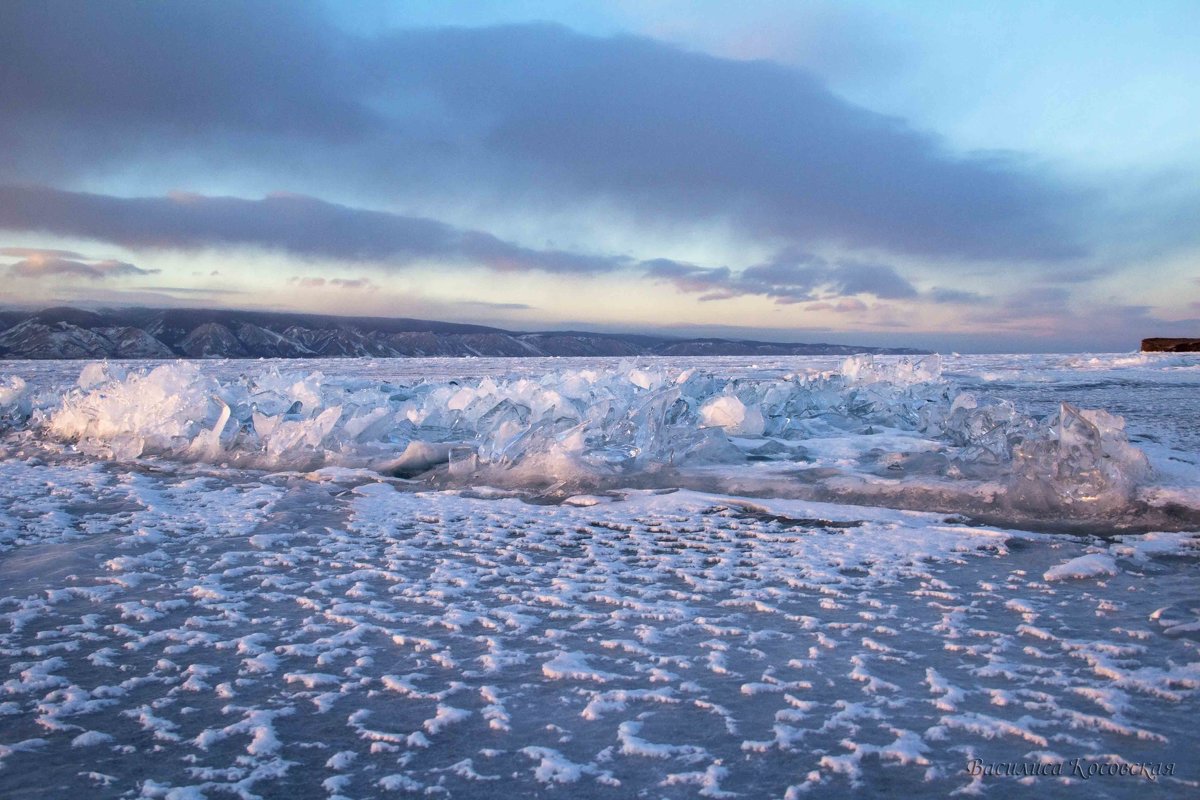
889	432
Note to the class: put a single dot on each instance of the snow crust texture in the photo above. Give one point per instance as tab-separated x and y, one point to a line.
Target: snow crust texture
179	635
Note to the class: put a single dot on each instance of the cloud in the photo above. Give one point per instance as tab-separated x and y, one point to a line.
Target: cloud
791	277
272	66
941	294
496	306
352	283
689	135
193	290
294	224
32	252
1053	302
314	229
305	282
40	265
1052	319
523	118
1097	328
847	305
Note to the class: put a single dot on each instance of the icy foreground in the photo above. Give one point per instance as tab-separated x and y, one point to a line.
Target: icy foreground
290	637
893	433
196	620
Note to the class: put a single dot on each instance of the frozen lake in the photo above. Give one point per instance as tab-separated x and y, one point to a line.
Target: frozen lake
590	578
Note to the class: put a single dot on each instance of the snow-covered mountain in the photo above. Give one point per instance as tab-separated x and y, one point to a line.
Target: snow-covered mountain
59	333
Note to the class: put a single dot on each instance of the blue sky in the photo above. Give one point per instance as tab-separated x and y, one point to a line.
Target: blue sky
970	176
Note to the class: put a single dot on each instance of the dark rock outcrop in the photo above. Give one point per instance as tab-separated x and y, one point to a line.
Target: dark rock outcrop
1170	345
199	333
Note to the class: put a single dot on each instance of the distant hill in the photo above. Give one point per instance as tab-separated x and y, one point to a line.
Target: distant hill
58	333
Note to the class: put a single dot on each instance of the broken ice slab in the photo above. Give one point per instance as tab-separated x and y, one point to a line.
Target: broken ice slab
611	425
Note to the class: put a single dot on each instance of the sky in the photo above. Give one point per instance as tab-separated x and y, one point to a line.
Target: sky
973	177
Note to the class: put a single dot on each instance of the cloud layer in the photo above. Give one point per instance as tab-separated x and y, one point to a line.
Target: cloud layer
311	229
301	226
530	117
38	264
470	147
791	277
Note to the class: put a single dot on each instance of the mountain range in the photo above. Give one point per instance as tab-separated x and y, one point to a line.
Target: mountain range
62	333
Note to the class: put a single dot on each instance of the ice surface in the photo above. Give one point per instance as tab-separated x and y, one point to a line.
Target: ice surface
892	432
479	578
173	634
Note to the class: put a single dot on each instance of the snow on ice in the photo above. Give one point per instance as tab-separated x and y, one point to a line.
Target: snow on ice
248	580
